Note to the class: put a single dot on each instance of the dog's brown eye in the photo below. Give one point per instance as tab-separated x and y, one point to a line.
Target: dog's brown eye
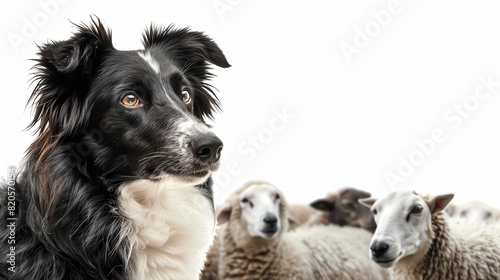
131	100
186	97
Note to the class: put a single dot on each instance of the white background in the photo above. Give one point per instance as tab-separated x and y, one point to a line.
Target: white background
350	118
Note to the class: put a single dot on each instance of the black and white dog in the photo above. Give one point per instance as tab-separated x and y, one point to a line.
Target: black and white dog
117	183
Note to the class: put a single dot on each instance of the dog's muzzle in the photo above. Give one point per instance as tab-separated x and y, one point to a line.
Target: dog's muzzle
207	147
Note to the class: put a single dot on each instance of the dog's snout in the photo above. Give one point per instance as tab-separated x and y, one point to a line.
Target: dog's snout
207	147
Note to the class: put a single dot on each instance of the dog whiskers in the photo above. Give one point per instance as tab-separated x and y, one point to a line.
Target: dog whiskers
153	156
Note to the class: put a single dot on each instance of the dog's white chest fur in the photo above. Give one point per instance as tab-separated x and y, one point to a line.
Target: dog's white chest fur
170	228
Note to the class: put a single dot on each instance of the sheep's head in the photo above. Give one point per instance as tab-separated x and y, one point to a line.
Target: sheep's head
343	208
476	211
404	229
257	210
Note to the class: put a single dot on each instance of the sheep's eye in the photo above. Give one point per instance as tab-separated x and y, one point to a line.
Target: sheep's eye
186	96
487	215
374	211
277	197
417	209
130	100
244	200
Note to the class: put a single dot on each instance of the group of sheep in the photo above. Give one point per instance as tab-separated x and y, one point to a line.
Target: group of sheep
349	235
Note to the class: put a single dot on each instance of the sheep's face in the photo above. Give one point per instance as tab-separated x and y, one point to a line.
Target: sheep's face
260	208
403	225
350	212
345	210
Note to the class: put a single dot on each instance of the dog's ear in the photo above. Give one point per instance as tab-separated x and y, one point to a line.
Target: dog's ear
63	73
191	51
77	57
185	45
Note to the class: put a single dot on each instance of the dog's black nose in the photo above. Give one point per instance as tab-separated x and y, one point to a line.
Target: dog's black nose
378	249
207	147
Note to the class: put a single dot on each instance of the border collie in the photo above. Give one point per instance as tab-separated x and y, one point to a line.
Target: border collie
117	183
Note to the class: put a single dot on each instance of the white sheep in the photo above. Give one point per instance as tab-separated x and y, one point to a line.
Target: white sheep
475	210
255	242
417	241
299	214
211	266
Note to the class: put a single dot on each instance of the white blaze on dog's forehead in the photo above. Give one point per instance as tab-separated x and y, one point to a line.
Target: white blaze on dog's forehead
151	61
156	67
190	124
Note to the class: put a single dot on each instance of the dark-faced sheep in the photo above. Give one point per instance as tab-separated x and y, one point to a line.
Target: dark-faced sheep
342	208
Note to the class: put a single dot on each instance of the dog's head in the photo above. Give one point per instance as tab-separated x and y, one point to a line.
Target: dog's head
126	115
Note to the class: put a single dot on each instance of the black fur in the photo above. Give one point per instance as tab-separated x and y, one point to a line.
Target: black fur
69	224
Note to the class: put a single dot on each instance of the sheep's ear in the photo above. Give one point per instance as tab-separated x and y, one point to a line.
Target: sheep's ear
439	202
368	202
224	214
357	192
364	193
323	204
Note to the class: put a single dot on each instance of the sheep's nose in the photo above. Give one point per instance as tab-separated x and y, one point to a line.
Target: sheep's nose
270	219
379	248
207	147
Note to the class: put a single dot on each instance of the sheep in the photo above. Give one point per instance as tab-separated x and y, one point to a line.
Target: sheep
475	210
342	208
416	240
255	242
299	214
210	269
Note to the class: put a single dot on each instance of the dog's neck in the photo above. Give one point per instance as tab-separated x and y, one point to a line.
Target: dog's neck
170	226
